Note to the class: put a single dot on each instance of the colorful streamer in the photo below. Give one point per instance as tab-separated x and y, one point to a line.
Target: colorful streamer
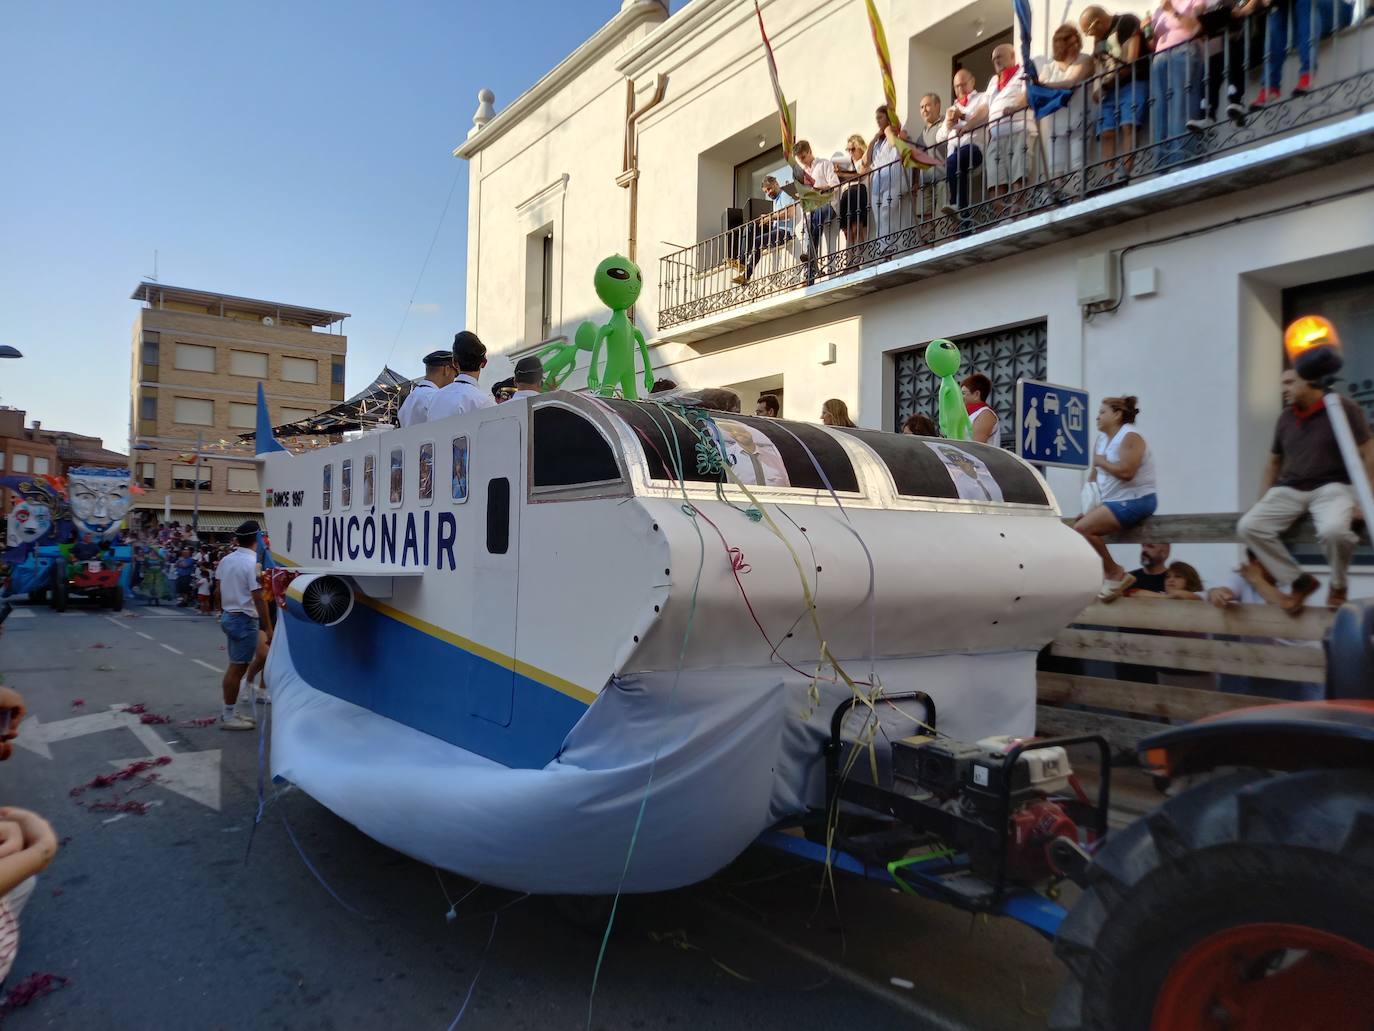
913	156
810	199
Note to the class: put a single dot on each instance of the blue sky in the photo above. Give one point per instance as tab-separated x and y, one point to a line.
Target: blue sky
296	152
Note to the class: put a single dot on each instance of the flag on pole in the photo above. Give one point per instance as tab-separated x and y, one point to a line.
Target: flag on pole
913	155
811	199
1043	100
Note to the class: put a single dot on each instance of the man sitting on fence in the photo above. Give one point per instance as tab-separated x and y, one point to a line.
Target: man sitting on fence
772	230
1154	566
1306	474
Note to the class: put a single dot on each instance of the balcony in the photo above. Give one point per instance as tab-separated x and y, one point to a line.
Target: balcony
1074	180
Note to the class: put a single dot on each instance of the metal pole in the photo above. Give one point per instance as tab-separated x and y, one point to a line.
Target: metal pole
1350	452
195	509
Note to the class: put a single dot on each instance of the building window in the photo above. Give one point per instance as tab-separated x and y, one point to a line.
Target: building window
427	471
546	288
1005	356
336	372
242	415
750	174
21	462
2	461
40	467
195	358
296	414
151	344
369	480
300	370
194	411
346	483
147	474
328	497
248	363
398	473
147	406
460	469
242	480
184	477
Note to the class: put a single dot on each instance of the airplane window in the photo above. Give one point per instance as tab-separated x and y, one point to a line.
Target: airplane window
328	484
398	473
460	468
568	449
426	471
346	483
369	480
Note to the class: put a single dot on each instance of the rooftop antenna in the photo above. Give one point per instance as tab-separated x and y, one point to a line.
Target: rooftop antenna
153	277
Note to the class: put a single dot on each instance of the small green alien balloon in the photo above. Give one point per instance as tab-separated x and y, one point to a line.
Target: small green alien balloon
943	358
618	282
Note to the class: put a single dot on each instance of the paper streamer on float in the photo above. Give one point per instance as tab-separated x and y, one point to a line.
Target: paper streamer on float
810	198
912	155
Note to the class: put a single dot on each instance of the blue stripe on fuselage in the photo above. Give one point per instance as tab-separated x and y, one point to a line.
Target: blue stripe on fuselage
427	683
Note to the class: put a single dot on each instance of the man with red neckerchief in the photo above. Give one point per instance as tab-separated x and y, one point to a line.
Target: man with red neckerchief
1306	474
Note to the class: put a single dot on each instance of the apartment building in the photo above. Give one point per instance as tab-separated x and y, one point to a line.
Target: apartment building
23	451
1165	270
197	359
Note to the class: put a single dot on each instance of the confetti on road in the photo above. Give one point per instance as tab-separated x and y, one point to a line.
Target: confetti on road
35	986
105	780
78	703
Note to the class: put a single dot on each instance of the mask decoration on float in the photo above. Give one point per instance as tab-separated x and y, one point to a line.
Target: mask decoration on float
99	499
28	521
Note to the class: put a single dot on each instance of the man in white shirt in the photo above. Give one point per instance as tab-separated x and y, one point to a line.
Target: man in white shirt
929	181
243	611
438	374
820	174
463	394
1011	129
529	374
968	111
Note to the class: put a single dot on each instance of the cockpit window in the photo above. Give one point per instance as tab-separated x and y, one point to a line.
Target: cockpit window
568	450
761	452
923	467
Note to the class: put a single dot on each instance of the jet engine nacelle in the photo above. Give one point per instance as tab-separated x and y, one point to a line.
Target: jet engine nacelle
321	598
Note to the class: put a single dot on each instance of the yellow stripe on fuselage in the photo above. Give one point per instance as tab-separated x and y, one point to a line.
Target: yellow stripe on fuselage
541	676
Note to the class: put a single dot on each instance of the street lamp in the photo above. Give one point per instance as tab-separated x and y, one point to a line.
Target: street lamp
6	351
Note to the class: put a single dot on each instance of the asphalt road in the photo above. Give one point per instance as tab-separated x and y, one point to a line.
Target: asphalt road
165	918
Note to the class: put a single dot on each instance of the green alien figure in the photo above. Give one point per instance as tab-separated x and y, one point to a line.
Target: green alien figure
559	359
618	283
943	359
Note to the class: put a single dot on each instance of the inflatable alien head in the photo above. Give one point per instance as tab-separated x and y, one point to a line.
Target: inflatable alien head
618	282
943	358
99	499
28	522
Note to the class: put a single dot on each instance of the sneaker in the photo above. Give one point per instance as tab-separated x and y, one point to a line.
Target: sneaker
1336	597
1199	124
262	696
1236	112
1304	84
237	722
1265	96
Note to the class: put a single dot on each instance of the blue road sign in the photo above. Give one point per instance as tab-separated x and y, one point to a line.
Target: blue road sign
1052	426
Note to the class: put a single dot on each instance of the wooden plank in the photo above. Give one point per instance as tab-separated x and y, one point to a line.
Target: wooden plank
1182	616
1121	733
1178	703
1279	661
1208	528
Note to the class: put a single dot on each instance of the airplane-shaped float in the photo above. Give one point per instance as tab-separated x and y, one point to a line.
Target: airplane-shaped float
526	642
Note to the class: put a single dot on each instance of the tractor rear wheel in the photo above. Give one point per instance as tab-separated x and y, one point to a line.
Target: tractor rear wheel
1247	901
115	597
38	596
59	595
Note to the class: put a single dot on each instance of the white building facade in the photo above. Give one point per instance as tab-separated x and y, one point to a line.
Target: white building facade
1169	279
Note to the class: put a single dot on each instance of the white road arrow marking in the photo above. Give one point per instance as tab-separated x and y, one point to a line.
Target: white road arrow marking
195	775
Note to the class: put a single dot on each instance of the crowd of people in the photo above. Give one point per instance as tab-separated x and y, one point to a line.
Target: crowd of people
1130	81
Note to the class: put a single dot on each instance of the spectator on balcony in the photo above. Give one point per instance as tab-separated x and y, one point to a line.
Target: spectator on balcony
1286	16
887	183
1123	91
918	425
854	194
987	427
930	181
1306	475
1124	469
836	413
1176	76
772	230
1227	30
962	155
820	175
768	406
1011	127
1067	68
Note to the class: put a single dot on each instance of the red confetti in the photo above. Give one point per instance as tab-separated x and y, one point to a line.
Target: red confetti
128	806
202	721
106	780
135	709
56	892
78	703
152	717
99	645
35	986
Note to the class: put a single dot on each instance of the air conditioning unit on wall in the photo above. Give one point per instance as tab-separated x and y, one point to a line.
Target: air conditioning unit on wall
1099	278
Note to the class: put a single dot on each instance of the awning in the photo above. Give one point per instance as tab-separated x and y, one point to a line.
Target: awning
211	521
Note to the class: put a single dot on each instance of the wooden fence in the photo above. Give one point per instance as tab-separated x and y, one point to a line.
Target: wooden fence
1187	645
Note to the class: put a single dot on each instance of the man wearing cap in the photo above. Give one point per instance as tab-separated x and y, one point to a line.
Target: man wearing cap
529	374
463	394
438	374
243	611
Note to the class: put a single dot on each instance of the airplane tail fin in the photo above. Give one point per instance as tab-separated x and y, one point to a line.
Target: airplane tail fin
266	441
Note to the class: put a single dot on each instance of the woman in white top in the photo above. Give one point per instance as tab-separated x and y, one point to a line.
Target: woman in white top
987	427
1124	469
1065	130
